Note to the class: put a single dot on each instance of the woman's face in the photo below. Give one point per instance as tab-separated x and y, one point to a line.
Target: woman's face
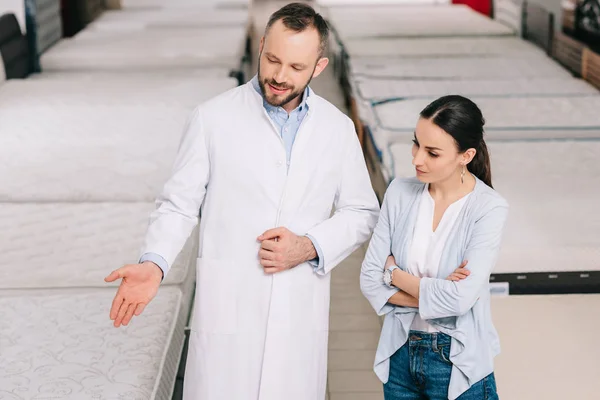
435	154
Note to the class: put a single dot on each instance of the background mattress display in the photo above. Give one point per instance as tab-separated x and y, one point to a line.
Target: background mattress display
506	114
459	68
169	18
413	21
186	92
63	345
439	47
147	50
377	90
62	245
88	154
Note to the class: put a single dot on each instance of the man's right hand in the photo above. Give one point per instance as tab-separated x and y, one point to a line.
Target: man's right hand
138	287
460	273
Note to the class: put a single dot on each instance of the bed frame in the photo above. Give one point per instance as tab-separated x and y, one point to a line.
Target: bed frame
538	26
14	48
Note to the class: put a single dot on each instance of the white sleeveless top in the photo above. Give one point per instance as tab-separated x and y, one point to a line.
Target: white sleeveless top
427	246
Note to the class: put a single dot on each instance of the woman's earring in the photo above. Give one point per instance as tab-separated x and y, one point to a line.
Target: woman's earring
462	175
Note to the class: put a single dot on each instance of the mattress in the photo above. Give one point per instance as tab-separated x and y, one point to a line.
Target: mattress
67	245
459	68
531	365
507	118
95	141
439	47
551	187
171	4
377	90
412	21
63	345
83	153
149	50
169	18
173	92
171	74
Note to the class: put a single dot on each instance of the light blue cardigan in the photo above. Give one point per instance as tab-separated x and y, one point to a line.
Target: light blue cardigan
459	309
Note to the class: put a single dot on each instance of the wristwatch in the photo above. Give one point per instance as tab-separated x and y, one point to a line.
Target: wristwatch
388	274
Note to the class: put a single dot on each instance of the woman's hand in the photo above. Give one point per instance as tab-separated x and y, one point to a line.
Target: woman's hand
460	273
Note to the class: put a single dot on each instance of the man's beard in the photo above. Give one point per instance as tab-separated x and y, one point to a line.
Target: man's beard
271	100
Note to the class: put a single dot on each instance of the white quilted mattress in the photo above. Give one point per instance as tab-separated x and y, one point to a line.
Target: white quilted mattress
459	68
539	113
67	245
62	345
82	153
552	188
412	21
148	50
116	20
131	75
55	92
439	47
171	4
375	90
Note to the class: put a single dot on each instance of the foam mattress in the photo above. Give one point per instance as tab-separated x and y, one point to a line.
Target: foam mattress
551	187
173	18
439	47
412	21
508	118
63	245
377	90
63	345
149	50
82	153
131	75
60	92
459	68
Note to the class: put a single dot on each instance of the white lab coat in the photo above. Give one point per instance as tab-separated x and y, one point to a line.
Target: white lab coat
256	336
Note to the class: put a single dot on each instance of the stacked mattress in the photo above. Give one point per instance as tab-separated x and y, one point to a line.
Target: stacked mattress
85	150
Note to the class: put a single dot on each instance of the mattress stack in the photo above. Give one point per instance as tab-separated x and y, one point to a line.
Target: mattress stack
85	148
543	133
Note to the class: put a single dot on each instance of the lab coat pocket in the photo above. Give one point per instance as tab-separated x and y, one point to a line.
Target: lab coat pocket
215	309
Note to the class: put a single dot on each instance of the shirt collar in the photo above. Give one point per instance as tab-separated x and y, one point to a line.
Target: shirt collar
303	106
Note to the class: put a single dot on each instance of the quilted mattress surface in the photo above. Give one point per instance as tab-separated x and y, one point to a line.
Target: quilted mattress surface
413	21
58	92
553	223
131	75
199	18
62	245
148	50
62	345
506	114
375	90
83	153
439	47
459	68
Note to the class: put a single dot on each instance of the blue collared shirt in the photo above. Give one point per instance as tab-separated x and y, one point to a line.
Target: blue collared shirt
288	125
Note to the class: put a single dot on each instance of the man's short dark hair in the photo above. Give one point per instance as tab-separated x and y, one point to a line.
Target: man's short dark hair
298	17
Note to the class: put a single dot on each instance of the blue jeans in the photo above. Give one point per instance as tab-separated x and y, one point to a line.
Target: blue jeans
421	369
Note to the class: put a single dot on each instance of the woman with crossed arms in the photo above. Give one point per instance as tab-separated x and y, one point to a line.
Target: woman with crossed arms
438	340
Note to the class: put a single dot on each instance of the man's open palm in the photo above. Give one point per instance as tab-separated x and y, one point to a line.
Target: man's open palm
138	287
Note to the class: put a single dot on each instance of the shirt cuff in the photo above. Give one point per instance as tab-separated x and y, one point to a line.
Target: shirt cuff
317	262
156	259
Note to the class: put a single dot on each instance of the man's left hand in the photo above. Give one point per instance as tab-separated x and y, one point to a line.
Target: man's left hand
282	249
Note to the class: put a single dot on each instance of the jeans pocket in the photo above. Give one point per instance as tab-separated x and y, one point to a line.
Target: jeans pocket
444	353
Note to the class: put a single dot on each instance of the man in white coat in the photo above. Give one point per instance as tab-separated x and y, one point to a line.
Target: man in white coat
266	163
